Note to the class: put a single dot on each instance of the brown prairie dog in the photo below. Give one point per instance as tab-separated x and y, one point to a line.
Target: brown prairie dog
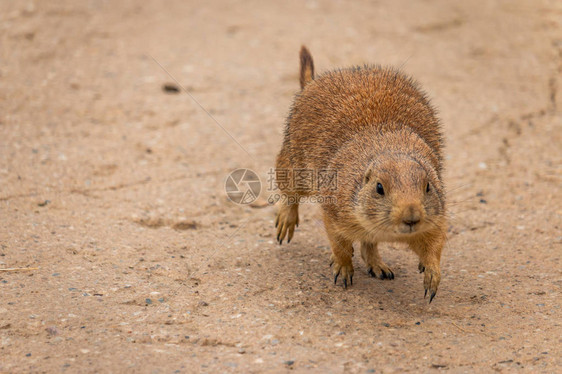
376	130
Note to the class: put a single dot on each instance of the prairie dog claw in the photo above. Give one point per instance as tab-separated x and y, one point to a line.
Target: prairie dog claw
287	219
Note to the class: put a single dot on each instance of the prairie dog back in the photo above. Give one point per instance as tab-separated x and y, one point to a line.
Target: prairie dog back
344	102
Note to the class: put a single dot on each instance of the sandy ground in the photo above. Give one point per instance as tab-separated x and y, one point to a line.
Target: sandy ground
112	191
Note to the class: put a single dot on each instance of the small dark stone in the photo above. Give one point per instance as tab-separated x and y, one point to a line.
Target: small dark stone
43	203
148	301
28	355
418	323
386	324
482	201
289	362
170	88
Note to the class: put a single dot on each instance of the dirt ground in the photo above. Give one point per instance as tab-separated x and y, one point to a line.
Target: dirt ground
112	190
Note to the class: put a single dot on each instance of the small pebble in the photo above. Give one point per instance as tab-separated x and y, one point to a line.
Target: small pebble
52	330
170	88
148	301
28	355
289	362
203	303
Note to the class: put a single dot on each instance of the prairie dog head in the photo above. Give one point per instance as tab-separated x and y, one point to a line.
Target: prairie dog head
399	196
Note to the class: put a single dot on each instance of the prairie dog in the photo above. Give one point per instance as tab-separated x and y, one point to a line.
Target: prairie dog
377	130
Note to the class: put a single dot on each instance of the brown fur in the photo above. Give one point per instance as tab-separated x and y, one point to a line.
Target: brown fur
374	126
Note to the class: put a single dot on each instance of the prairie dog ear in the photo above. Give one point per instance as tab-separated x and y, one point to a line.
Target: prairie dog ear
367	176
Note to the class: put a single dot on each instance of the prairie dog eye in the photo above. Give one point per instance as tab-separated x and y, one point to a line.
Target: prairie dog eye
380	190
427	188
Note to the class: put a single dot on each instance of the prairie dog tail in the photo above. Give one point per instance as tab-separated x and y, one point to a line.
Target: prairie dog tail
307	67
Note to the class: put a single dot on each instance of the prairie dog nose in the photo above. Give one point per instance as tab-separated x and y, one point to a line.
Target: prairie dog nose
411	215
410	222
